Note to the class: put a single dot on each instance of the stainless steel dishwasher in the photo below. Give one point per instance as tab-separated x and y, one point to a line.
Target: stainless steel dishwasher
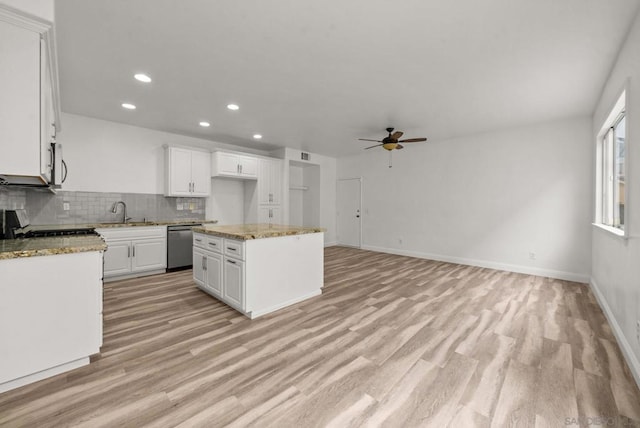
180	246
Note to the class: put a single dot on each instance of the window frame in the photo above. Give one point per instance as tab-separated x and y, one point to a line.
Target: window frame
603	191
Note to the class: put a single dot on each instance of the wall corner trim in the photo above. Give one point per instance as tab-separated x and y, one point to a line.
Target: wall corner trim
627	351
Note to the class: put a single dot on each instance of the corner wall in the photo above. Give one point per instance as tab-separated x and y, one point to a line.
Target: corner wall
488	200
616	261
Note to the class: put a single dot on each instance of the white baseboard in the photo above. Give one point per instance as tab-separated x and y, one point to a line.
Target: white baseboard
264	311
627	351
330	244
44	374
566	276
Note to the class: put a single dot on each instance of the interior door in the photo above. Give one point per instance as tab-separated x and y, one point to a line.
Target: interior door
349	200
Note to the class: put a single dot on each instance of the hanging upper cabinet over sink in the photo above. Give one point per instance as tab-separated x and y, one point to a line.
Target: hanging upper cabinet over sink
29	112
188	172
234	165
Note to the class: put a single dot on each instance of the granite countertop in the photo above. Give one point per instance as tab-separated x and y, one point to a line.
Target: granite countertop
255	231
31	247
115	225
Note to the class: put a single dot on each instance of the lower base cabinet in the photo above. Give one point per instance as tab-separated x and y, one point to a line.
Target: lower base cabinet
233	282
207	271
134	251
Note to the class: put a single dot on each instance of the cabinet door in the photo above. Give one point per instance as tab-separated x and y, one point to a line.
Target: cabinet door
228	164
214	274
248	167
275	180
19	100
263	214
47	115
276	215
264	179
117	258
148	254
201	173
199	267
179	172
233	288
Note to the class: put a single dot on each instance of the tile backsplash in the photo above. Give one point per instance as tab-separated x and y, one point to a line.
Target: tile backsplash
44	207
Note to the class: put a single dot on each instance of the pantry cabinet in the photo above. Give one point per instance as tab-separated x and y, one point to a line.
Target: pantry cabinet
270	182
187	172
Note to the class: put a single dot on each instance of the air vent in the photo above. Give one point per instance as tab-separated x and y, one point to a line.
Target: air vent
304	156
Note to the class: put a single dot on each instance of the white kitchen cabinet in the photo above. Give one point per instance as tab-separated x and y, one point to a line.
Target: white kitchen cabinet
28	105
187	172
134	251
234	165
270	181
271	214
207	271
233	286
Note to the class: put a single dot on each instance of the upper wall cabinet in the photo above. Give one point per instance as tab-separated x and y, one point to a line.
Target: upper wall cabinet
234	165
29	112
187	172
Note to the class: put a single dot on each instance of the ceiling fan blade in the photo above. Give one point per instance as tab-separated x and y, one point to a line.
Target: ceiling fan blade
397	135
399	146
371	147
366	139
412	140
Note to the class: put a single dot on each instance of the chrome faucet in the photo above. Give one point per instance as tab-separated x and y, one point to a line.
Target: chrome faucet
114	210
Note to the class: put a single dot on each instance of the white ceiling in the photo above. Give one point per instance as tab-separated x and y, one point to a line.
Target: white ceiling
318	75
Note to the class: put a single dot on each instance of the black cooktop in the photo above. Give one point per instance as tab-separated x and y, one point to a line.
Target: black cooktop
71	231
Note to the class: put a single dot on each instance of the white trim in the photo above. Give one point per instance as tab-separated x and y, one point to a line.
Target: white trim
256	314
625	346
44	374
331	244
566	276
611	230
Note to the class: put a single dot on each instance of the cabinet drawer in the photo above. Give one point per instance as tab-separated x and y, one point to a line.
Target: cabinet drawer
214	244
234	248
199	241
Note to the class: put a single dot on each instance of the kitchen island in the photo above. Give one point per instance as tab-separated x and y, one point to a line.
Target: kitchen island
50	306
259	268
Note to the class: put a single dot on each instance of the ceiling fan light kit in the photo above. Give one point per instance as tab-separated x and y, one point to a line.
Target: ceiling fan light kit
392	142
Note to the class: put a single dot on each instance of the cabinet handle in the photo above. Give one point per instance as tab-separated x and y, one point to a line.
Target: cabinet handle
270	197
128	252
231	261
231	249
50	158
213	244
133	251
198	240
204	263
238	168
270	213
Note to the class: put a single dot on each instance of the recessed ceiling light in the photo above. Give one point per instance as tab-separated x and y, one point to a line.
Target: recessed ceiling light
128	106
205	124
142	77
233	106
257	136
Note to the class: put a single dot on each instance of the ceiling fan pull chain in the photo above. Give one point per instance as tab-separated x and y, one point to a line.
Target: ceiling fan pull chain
390	159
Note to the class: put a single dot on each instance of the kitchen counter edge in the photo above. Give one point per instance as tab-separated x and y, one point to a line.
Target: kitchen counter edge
255	231
50	246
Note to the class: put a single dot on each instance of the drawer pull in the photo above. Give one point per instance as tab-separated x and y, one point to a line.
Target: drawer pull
231	249
198	240
213	244
231	261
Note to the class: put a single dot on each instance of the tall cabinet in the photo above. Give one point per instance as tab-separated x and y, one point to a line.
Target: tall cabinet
270	191
188	172
29	113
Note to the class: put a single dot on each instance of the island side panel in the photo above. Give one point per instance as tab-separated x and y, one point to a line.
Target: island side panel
50	312
282	271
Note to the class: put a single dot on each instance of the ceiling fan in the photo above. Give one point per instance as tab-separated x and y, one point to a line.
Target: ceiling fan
391	142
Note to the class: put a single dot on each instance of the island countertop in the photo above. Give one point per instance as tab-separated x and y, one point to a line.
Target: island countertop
49	246
246	232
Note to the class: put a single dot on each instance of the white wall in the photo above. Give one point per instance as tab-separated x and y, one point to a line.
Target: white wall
105	156
616	261
487	200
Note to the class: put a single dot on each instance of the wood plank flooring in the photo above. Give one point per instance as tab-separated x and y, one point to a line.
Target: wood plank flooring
393	341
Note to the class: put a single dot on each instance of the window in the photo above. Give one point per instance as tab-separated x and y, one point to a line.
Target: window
612	152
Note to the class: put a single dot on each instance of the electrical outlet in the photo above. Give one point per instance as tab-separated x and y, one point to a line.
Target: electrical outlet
65	206
532	255
400	241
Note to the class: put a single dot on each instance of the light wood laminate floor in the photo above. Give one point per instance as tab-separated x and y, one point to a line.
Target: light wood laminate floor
393	341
